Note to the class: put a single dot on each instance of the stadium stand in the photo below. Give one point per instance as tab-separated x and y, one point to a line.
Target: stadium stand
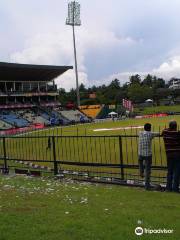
103	113
11	118
4	125
40	119
29	96
74	116
26	114
33	116
25	93
91	110
55	116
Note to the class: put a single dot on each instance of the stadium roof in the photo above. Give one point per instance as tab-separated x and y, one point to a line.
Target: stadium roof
28	72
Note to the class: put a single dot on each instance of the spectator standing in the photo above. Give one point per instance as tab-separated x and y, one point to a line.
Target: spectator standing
172	146
49	143
145	153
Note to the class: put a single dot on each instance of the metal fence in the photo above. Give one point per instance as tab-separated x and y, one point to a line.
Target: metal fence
94	158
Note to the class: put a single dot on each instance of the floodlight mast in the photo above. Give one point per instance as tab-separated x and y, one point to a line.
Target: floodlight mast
73	19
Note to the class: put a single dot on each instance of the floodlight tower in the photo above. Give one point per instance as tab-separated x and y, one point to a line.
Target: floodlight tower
73	19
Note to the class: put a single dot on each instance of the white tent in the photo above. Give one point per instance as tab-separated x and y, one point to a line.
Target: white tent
149	100
113	114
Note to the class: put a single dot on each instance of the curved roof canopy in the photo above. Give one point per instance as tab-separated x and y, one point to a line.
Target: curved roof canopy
27	72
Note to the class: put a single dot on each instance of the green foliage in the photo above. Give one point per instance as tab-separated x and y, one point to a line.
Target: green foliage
158	83
137	90
139	93
158	109
89	101
135	79
148	80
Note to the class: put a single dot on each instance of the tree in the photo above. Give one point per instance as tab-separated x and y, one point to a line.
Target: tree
62	96
115	84
148	80
158	83
94	88
112	93
139	93
137	90
135	79
161	93
174	93
82	88
72	97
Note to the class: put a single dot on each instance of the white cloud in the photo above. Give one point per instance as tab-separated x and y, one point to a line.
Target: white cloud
57	49
118	36
167	70
52	49
68	81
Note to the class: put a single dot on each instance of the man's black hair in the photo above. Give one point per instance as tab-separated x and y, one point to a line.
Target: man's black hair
147	127
173	125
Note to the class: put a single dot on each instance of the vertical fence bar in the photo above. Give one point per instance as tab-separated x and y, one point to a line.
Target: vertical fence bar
5	170
121	158
85	131
54	156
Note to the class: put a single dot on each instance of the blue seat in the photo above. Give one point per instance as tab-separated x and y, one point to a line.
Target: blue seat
12	119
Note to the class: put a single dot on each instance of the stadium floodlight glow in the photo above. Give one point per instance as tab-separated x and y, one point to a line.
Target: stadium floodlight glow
73	19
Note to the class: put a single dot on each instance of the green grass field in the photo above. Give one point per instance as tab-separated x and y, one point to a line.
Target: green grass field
43	209
158	109
158	124
88	149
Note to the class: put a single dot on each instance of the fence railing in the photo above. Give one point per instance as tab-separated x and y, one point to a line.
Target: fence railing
96	157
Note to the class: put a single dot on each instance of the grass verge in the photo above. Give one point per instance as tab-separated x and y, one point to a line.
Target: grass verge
43	209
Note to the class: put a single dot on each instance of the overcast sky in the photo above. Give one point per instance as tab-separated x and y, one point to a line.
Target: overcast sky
117	38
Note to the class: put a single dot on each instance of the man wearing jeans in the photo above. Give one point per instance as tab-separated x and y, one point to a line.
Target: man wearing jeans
145	153
172	146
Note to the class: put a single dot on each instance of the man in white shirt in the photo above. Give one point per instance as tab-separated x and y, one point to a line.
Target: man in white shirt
145	153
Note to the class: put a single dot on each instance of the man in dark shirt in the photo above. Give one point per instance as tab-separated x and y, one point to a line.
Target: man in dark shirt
172	146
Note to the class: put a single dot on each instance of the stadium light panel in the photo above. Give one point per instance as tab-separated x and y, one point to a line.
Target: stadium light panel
73	18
